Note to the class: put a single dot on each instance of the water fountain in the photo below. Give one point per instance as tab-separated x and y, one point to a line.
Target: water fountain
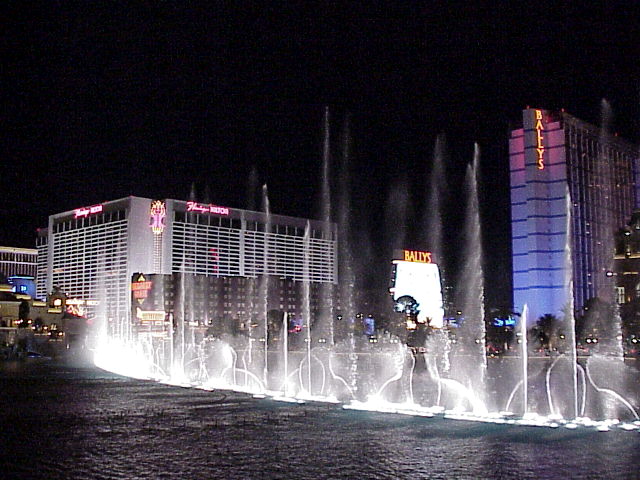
446	376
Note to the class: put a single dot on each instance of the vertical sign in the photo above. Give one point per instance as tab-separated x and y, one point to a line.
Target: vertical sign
157	215
539	138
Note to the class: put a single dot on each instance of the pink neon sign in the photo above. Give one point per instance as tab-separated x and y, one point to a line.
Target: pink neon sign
201	208
86	211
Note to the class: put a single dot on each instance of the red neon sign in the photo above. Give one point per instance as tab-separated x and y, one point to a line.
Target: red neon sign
201	208
539	138
86	211
141	288
416	256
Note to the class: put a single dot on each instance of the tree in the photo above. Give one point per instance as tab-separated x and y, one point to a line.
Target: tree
547	331
23	313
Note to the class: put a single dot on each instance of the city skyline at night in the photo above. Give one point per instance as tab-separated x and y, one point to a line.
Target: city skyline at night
147	101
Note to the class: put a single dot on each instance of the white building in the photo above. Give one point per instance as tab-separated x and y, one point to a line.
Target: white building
91	252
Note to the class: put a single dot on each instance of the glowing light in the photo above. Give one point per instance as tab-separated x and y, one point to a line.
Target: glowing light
201	208
86	211
140	288
76	310
155	317
282	398
158	213
215	257
416	256
420	279
539	139
141	285
122	358
74	301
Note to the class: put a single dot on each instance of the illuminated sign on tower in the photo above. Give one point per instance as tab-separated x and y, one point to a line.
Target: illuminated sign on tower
539	138
86	211
201	208
157	215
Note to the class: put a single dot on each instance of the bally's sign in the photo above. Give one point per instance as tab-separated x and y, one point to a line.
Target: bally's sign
415	256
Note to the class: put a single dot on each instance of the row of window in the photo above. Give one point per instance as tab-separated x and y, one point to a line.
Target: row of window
16	257
41	279
210	250
190	218
15	268
89	221
601	181
90	262
622	296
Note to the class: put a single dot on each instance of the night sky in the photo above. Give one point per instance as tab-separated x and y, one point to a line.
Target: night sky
105	100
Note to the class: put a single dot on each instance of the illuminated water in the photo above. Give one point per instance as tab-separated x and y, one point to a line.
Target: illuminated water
63	421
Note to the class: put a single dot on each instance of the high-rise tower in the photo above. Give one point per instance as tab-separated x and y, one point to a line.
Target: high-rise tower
572	186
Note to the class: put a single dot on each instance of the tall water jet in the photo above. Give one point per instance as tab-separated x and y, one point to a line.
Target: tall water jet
471	361
252	188
285	352
325	315
346	271
432	223
524	352
605	367
306	303
569	318
178	334
396	214
264	284
438	344
325	200
609	328
345	253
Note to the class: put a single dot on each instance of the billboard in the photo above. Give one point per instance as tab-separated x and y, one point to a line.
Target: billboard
416	276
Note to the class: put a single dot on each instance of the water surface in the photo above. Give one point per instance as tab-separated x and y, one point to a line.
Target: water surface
70	420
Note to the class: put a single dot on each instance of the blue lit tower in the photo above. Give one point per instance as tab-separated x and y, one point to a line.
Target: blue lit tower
552	155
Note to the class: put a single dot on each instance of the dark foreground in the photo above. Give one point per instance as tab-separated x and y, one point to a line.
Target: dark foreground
69	420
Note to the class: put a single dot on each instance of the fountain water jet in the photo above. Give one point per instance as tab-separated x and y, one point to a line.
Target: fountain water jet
469	361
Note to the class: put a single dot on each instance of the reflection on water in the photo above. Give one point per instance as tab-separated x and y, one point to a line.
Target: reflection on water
74	421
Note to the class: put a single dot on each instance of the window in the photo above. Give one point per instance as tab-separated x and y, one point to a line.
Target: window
620	295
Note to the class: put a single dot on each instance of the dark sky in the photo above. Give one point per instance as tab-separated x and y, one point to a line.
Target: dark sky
104	100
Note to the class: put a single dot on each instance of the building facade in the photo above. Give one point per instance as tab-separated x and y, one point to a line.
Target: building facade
19	267
18	262
572	187
227	304
627	273
92	252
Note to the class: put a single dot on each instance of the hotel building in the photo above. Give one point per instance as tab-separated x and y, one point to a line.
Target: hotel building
91	253
19	267
572	187
18	261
